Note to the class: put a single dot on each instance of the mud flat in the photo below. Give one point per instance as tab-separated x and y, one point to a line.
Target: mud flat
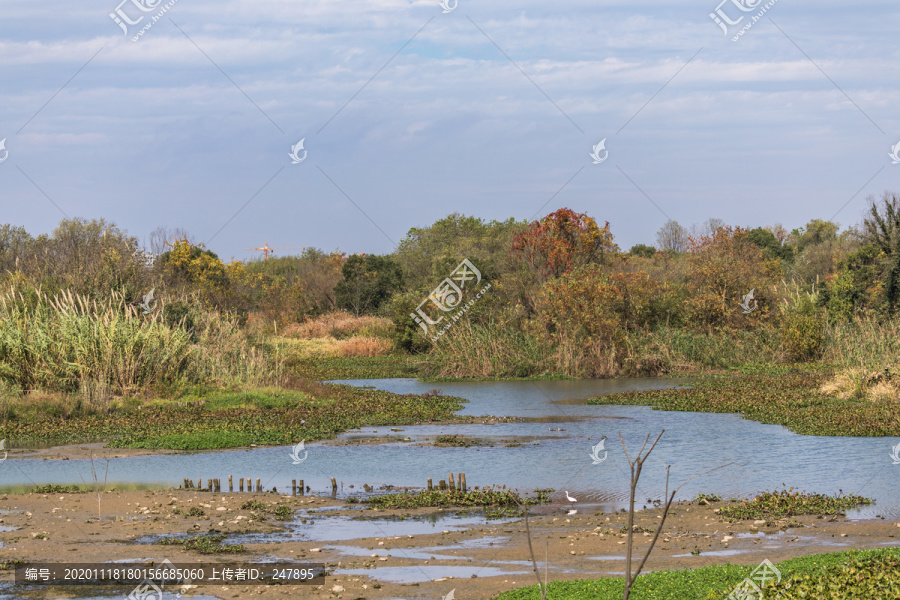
379	554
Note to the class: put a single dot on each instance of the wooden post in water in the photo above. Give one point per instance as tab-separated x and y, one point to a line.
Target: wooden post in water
200	484
462	482
293	487
186	485
241	484
209	485
301	487
450	478
430	487
230	484
333	486
258	487
442	484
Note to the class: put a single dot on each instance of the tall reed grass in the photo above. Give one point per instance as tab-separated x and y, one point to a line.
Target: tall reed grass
72	344
863	342
482	351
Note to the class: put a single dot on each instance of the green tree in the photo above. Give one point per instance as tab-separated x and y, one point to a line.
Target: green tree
815	233
881	226
429	254
818	250
369	281
771	247
642	250
15	243
92	257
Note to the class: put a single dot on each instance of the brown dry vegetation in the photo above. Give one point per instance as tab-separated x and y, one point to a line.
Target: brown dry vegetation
339	333
877	386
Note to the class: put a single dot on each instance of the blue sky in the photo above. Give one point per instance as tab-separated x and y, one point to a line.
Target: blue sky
490	109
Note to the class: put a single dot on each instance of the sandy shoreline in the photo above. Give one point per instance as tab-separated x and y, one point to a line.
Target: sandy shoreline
64	527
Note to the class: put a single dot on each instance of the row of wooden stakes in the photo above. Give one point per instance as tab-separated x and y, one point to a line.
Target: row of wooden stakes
214	485
459	485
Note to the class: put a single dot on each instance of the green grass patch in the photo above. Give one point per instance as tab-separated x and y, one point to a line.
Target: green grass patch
487	496
701	497
51	488
787	503
339	367
262	416
12	563
869	574
205	543
791	399
457	441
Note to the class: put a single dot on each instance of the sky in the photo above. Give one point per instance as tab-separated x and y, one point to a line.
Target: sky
411	110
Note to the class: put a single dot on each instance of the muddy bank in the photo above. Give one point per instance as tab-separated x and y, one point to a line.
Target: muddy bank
478	560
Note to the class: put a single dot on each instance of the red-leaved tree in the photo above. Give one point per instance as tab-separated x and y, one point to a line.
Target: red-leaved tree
562	241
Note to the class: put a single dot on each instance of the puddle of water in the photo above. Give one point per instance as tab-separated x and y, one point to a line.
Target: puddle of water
761	535
713	553
605	557
5	528
482	542
410	553
423	573
343	528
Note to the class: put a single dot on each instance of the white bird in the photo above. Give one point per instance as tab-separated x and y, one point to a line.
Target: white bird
3	447
572	512
570	498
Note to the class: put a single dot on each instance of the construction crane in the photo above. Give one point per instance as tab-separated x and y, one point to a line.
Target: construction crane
266	249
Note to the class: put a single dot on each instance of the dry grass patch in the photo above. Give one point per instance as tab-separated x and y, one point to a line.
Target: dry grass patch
365	346
878	386
340	325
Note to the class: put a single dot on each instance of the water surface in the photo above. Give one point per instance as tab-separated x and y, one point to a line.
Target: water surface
759	457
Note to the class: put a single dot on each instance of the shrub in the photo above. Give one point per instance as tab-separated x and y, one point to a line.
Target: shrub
724	266
802	328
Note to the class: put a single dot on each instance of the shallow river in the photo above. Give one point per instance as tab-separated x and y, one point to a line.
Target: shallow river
551	450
